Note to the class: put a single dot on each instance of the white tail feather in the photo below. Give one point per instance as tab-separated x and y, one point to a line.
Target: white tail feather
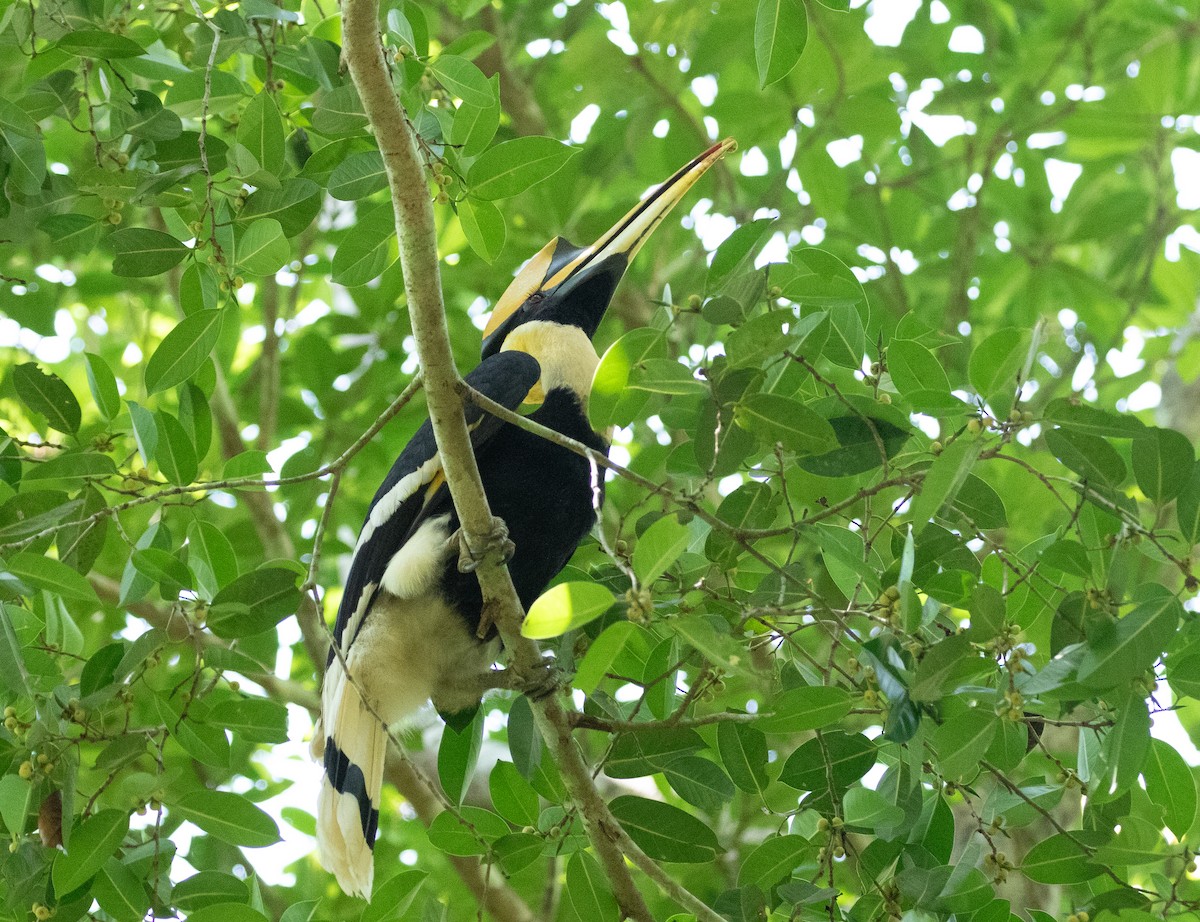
354	732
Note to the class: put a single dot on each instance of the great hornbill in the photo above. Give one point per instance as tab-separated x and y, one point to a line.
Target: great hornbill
407	624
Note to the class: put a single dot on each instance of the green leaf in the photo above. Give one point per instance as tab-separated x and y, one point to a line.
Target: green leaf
366	250
254	602
994	366
743	752
844	756
208	888
164	568
1187	507
92	43
736	254
262	248
1090	420
475	126
699	782
103	386
92	844
294	205
869	810
945	666
71	469
1126	746
780	34
772	861
458	755
176	455
463	79
258	720
15	797
1089	456
483	224
1067	556
609	403
145	431
786	421
120	893
809	707
340	112
46	393
52	575
1170	786
227	912
229	817
601	656
960	740
140	252
1130	646
512	796
644	752
664	832
565	607
944	478
393	899
455	837
203	743
1062	859
588	890
246	464
513	166
658	548
358	176
914	368
184	350
211	557
260	131
1163	460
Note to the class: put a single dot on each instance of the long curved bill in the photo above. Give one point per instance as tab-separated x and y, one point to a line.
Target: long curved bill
561	262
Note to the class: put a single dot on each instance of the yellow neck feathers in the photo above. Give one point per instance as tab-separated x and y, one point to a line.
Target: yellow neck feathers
566	354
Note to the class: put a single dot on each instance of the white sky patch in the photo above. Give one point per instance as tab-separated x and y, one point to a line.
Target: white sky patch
538	48
754	163
581	125
661	127
618	18
888	19
938	13
1146	397
1186	164
1184	236
966	40
705	89
845	151
1127	360
1042	139
288	447
1061	176
727	485
938	128
775	251
787	148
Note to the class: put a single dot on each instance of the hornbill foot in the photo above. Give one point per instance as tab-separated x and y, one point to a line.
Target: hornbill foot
495	543
537	683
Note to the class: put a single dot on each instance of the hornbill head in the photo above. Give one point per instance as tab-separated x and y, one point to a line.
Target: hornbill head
571	285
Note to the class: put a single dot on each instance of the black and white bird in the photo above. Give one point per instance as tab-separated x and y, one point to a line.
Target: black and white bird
407	624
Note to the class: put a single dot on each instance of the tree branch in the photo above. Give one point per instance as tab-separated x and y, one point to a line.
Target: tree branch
422	284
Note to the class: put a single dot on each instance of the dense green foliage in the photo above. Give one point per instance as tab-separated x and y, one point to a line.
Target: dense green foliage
902	550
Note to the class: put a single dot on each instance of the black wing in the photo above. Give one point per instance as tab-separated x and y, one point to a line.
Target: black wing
399	506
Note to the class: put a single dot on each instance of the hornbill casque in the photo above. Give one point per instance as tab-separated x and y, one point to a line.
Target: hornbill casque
407	626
